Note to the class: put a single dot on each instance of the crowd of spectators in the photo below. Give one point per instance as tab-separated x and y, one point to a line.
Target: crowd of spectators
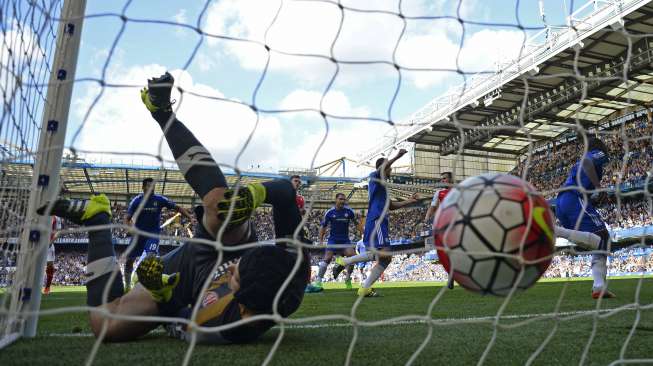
631	213
70	267
630	157
623	262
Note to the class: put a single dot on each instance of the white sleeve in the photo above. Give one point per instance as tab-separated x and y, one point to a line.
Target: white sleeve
434	201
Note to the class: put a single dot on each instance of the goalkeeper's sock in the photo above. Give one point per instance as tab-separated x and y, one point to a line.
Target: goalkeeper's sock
599	271
321	271
281	195
77	211
200	170
195	162
584	239
102	263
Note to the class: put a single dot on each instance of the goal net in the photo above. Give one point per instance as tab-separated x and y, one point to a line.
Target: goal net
29	36
466	87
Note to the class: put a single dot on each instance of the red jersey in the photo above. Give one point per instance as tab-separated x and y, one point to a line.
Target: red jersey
299	199
439	196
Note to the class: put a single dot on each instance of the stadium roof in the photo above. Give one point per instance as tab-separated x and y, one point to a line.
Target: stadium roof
548	84
122	182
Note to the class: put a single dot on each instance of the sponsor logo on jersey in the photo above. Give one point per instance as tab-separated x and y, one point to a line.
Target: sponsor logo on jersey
210	298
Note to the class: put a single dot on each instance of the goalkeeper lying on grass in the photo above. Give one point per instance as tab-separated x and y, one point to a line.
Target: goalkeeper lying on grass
242	285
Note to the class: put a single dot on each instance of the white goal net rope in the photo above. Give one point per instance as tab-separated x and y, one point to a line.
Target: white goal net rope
224	34
29	34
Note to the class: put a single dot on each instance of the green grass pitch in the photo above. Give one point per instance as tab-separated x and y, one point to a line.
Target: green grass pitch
64	339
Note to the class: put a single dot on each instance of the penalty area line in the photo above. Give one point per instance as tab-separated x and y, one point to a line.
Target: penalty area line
405	322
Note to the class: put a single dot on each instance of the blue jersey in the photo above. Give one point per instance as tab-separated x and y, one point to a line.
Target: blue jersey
572	210
149	217
377	195
338	222
598	159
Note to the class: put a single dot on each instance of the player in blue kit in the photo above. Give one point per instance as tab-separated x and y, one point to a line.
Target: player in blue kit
576	213
146	216
337	219
376	224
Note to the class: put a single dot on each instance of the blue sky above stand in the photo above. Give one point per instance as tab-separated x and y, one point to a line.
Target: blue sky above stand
118	128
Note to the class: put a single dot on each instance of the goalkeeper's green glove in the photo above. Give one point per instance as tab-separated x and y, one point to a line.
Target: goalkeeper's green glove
150	275
157	94
248	199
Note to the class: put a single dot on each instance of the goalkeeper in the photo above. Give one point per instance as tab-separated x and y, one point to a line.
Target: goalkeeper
243	283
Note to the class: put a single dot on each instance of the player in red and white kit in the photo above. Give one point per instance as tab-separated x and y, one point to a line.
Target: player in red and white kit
296	182
49	268
446	179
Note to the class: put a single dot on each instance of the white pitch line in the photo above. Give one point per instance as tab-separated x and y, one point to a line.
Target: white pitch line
406	322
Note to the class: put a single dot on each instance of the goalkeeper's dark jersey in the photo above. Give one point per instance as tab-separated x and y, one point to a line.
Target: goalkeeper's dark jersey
195	264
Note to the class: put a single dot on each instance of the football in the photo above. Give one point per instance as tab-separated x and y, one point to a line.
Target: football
494	232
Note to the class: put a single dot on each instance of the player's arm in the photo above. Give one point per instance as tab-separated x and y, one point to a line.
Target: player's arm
590	171
184	212
432	208
429	213
170	204
128	219
401	153
323	226
394	205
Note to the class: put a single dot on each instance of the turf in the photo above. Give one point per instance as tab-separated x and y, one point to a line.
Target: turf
461	340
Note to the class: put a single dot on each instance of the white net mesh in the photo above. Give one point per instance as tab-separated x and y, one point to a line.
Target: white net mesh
28	38
268	85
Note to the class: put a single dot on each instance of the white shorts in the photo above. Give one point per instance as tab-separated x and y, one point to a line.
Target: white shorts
51	255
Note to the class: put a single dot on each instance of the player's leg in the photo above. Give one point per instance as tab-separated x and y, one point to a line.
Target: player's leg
337	268
380	240
322	268
49	275
568	208
287	219
195	162
586	240
368	234
590	221
150	247
281	195
349	252
138	302
316	286
600	267
574	214
104	287
138	243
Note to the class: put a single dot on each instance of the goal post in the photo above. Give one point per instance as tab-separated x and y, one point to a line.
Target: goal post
25	291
